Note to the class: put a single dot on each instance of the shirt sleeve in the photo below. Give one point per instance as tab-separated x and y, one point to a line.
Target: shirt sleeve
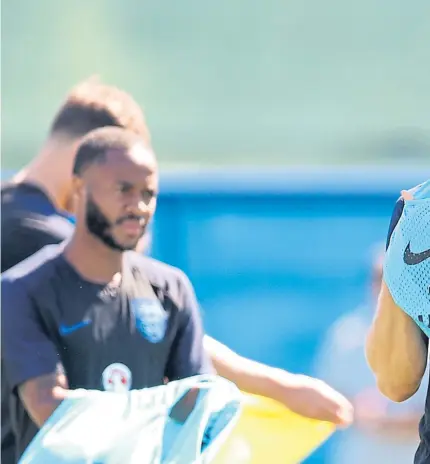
395	217
27	351
188	357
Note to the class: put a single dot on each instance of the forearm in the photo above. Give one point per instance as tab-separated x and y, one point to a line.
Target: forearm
250	376
42	396
395	350
43	411
304	395
256	378
253	377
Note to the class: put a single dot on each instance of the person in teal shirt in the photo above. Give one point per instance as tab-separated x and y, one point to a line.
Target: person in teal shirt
397	342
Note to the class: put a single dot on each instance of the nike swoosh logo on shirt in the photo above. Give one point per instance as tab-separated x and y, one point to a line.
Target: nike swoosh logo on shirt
68	329
411	259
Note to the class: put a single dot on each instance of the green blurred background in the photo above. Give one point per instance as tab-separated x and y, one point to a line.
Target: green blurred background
230	82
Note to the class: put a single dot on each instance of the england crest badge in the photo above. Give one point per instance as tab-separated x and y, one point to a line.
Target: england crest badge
151	318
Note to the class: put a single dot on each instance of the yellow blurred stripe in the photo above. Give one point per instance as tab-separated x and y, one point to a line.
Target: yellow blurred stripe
267	432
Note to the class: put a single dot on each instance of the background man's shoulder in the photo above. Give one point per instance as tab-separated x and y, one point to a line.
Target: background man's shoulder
56	226
34	270
24	233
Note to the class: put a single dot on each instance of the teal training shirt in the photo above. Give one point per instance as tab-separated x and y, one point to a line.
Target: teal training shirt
407	262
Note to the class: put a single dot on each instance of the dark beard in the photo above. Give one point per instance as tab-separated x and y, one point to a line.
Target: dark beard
99	226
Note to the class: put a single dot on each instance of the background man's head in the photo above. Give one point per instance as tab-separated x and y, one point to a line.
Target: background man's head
115	185
88	106
92	104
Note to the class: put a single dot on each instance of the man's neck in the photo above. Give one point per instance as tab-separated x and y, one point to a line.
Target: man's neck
50	171
92	259
43	181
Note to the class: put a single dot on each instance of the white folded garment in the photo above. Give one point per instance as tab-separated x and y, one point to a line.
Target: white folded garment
137	427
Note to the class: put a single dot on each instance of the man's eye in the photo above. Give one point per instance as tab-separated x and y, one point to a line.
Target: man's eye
124	188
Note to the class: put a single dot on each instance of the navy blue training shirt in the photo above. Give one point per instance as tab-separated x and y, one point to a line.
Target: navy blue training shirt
29	221
422	455
104	337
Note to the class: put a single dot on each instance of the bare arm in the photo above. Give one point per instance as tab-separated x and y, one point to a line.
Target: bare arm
304	395
248	375
395	346
395	350
29	355
42	395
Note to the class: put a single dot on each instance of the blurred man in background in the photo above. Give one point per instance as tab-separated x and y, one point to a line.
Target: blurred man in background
383	431
35	201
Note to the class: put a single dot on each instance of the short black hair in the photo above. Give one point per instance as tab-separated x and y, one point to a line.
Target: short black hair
97	143
92	104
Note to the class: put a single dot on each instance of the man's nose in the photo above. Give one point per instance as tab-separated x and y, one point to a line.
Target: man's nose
137	207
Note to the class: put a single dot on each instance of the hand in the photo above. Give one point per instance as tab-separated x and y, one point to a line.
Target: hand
315	399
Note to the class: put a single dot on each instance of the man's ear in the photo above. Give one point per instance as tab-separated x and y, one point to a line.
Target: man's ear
77	187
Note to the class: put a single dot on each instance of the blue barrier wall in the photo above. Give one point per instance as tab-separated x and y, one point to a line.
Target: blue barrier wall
275	257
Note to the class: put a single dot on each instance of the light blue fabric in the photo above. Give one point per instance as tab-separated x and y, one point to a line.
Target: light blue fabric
409	284
93	427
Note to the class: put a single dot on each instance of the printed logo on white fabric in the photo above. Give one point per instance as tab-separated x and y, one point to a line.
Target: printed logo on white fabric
151	318
117	378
